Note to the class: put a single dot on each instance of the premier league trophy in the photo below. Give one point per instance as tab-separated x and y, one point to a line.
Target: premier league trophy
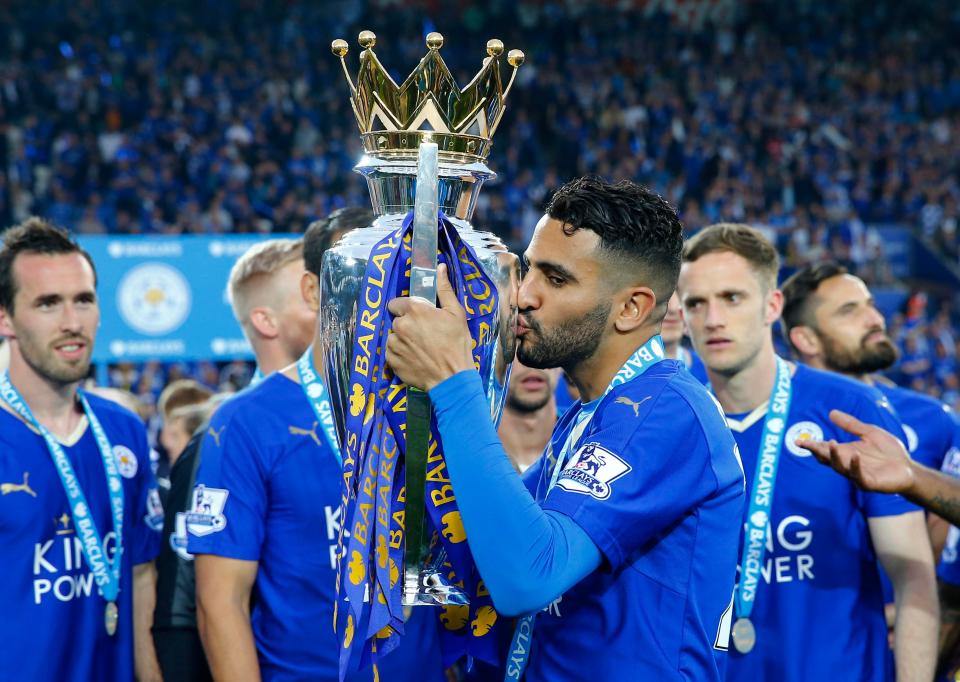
425	143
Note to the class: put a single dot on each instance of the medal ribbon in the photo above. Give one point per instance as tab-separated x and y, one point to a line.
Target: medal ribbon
761	496
316	394
642	359
106	573
371	542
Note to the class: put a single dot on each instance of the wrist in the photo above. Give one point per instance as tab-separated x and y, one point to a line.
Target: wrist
913	487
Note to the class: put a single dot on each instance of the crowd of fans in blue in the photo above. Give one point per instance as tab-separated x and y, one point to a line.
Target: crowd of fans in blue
815	121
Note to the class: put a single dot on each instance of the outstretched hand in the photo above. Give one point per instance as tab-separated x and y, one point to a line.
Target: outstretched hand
428	344
877	462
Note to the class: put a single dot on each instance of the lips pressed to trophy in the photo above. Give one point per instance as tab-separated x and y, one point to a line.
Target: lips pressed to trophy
425	143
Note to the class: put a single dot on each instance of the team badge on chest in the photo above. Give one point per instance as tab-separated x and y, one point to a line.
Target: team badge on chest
591	471
126	461
802	431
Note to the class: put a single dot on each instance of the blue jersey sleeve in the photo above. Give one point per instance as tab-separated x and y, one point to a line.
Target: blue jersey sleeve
643	465
147	517
228	508
881	414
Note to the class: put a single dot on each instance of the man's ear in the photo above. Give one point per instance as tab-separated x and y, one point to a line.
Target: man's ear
310	290
263	321
6	324
806	342
636	305
774	307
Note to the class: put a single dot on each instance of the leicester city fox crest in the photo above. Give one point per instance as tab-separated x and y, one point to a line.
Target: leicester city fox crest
591	471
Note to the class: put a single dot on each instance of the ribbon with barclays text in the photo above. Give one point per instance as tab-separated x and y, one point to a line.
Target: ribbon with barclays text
371	542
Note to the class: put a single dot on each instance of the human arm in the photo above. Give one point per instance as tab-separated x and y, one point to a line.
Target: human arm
904	552
879	462
224	586
144	599
548	552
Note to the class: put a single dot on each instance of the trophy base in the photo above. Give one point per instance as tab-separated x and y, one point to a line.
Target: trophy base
427	587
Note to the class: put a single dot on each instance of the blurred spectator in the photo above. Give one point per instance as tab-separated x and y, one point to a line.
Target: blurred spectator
182	408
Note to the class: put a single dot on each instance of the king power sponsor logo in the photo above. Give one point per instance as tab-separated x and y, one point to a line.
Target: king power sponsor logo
787	558
60	571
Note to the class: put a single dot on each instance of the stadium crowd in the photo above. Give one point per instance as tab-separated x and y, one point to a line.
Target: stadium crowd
795	124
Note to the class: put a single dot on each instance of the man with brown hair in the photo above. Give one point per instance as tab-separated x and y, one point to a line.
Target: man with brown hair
809	603
77	581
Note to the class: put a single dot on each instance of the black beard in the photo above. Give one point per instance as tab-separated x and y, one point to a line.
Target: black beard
567	345
865	360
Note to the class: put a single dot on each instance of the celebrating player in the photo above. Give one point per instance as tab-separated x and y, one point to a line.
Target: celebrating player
264	290
809	603
79	504
627	535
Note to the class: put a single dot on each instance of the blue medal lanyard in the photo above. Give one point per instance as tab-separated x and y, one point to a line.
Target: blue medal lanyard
316	394
642	359
761	496
106	572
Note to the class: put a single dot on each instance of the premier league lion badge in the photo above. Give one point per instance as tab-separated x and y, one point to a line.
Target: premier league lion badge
591	471
206	511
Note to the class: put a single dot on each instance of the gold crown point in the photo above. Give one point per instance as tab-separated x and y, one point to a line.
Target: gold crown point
434	40
339	47
367	39
515	58
494	47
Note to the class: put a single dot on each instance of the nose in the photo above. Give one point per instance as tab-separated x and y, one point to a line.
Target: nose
70	319
713	318
527	296
875	318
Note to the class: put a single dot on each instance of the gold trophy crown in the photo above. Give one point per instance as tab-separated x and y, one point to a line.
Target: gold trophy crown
428	106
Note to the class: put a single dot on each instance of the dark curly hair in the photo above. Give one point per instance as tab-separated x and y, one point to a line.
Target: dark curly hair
321	234
34	235
635	225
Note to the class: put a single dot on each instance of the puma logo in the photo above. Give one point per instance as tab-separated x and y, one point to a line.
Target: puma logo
6	488
312	432
623	400
216	434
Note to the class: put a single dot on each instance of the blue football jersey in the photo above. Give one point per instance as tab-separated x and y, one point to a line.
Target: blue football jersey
268	490
657	485
932	434
948	569
932	429
53	613
818	612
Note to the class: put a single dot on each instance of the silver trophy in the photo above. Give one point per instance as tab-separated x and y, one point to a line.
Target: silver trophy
426	143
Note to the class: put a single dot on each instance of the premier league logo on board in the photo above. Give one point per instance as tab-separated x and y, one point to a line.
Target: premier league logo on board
206	511
154	299
591	471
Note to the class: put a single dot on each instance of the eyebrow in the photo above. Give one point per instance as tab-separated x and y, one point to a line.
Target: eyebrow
549	267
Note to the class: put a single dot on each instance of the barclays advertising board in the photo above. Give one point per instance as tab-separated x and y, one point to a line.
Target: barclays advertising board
166	298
